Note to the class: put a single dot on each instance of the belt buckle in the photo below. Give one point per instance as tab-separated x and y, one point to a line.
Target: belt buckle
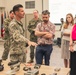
42	44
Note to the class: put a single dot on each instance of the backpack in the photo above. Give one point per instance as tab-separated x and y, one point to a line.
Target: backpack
74	32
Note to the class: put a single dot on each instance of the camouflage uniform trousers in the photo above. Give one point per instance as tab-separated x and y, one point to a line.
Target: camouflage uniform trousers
32	52
6	49
18	57
34	39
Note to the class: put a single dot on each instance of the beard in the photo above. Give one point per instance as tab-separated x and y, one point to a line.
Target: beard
45	21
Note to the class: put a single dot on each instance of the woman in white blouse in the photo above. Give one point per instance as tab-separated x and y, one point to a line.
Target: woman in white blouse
66	29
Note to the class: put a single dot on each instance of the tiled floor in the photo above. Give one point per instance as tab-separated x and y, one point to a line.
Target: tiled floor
55	56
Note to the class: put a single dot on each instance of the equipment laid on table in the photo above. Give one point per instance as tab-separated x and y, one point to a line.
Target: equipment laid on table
43	70
25	68
37	66
57	69
1	66
15	66
34	71
31	72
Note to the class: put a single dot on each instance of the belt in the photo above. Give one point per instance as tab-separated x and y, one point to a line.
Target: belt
44	44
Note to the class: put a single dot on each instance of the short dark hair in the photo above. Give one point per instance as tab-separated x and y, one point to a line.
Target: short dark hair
11	11
45	12
16	7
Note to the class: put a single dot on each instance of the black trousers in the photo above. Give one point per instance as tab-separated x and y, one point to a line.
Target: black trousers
43	51
73	63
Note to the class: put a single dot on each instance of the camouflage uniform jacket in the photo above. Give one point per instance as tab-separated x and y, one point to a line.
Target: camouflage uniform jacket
31	26
17	38
6	24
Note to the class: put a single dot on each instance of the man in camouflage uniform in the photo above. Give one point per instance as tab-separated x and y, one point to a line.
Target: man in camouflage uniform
6	35
17	39
31	27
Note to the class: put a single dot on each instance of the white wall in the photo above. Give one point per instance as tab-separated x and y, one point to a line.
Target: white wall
11	3
2	3
45	4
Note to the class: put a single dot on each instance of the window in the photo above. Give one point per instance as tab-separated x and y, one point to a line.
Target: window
29	4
